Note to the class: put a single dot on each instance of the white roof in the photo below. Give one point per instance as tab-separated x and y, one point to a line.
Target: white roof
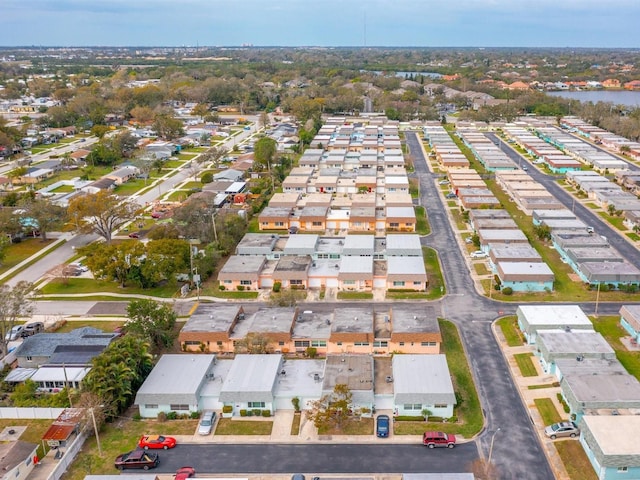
405	265
554	315
250	374
615	434
181	374
60	374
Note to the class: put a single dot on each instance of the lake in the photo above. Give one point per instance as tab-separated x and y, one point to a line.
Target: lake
617	97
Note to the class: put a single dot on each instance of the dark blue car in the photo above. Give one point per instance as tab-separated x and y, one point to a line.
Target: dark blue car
382	426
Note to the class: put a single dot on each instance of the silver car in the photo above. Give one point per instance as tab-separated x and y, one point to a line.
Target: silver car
562	429
206	422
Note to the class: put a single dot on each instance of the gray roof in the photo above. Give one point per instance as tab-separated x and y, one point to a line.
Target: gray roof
301	244
212	317
596	390
429	476
312	325
573	342
243	264
613	439
257	244
422	379
355	371
268	320
405	266
175	379
350	320
45	344
251	379
15	453
414	319
573	366
403	244
358	245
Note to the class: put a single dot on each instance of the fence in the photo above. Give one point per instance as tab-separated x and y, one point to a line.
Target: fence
68	457
30	412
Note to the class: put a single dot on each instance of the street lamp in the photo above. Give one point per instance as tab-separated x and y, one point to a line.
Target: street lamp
493	437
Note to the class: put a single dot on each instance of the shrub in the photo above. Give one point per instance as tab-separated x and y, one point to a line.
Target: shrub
162	417
227	409
256	412
240	288
222	288
295	401
507	291
243	413
137	417
277	286
407	418
194	415
249	413
172	416
207	177
266	413
566	407
312	352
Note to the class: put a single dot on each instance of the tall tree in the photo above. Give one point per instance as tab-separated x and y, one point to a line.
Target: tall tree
333	409
101	213
15	304
167	127
264	152
47	215
153	321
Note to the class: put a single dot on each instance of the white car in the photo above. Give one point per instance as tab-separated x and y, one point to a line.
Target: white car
478	254
443	182
79	266
14	333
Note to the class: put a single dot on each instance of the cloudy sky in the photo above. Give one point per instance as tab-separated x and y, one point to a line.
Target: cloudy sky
488	23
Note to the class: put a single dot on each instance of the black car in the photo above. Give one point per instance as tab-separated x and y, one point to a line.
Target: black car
382	426
137	459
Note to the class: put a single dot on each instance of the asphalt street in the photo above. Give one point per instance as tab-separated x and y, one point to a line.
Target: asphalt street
318	458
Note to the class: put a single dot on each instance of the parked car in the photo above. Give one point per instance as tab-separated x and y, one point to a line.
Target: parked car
137	459
134	235
478	254
382	426
32	328
14	333
79	266
451	195
206	422
297	476
443	182
70	271
438	439
562	429
293	230
185	472
156	441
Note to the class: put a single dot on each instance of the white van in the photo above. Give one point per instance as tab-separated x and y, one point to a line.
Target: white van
206	422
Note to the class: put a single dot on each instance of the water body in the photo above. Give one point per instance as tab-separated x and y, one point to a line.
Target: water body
406	74
617	97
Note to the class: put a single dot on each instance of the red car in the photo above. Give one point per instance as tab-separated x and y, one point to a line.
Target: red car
438	439
156	441
185	472
134	235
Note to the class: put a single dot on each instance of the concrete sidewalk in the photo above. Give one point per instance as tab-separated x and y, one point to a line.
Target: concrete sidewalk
61	239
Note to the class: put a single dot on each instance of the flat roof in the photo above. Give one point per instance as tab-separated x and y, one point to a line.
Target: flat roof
405	265
421	374
554	315
403	241
414	319
177	374
525	268
355	371
258	240
573	341
359	243
352	320
267	320
243	264
312	325
615	434
250	374
293	263
620	390
212	317
353	264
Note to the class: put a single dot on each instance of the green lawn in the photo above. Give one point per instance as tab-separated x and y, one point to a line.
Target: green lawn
481	268
510	330
525	364
18	252
34	432
422	224
547	410
362	426
60	286
172	164
105	326
63	189
132	186
610	329
227	426
295	425
355	296
391	295
436	287
468	410
633	236
575	460
617	222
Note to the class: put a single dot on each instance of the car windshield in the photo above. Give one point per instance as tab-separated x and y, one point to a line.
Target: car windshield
556	426
205	423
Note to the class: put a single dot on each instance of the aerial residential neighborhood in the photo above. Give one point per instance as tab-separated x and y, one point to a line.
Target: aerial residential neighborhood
247	262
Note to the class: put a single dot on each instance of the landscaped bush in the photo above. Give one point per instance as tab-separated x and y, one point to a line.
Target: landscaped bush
243	413
256	412
222	288
565	406
240	288
162	417
194	415
137	417
407	418
227	409
295	401
266	413
507	291
207	177
172	416
277	286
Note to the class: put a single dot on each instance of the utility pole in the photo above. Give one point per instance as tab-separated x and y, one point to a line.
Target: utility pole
95	429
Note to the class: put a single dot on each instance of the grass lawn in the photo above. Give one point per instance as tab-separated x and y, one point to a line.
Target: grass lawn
355	296
633	236
186	156
106	326
547	410
227	426
172	164
211	288
468	410
435	287
295	425
63	189
87	285
413	187
543	385
119	437
510	330
422	224
575	460
390	295
178	196
362	426
617	222
131	187
481	268
526	366
19	252
610	329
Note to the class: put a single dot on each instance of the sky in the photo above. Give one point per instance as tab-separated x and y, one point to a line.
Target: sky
332	23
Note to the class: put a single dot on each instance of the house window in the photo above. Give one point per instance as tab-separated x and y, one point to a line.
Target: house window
361	344
255	404
279	224
427	344
295	282
301	343
318	343
219	343
380	344
150	405
29	358
623	469
178	406
280	344
409	224
401	344
398	283
265	224
440	405
394	224
413	406
245	282
349	282
192	342
339	344
417	283
316	224
228	281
